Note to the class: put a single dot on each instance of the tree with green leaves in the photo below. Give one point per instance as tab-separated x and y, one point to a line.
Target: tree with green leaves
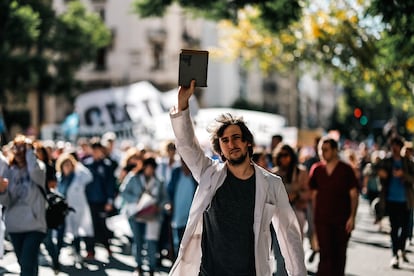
41	51
365	46
275	15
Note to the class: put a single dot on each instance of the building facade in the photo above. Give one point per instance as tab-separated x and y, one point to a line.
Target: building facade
147	49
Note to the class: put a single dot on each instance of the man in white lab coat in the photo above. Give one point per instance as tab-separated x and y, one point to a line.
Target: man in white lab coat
228	231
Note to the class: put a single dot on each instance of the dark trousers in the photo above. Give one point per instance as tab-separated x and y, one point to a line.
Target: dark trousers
102	233
52	248
166	240
411	225
399	216
280	261
333	242
26	247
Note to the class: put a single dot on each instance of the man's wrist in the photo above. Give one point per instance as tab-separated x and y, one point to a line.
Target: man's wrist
182	106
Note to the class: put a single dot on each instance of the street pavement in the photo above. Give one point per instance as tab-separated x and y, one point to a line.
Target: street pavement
369	253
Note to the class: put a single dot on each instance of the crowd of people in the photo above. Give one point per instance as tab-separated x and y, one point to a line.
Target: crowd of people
100	178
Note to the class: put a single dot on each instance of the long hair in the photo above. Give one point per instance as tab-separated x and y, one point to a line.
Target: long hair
293	161
221	123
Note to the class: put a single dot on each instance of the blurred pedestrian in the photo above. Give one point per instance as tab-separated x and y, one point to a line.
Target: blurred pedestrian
260	158
112	152
51	181
335	200
25	205
275	142
371	185
144	231
100	193
3	184
408	152
295	178
308	163
73	177
396	174
311	234
132	160
167	163
181	190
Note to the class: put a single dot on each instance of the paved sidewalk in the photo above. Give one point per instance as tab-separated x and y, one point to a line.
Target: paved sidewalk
369	254
369	250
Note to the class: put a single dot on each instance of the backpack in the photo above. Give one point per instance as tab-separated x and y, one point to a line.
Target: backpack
57	209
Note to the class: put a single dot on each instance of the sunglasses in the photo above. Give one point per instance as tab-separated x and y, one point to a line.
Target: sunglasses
20	148
283	155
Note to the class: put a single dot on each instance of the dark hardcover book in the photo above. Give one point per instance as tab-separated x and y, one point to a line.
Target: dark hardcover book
193	65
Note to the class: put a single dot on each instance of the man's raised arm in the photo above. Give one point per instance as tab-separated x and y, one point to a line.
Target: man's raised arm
184	94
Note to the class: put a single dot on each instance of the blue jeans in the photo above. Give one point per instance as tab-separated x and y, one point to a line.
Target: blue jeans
138	231
177	237
26	247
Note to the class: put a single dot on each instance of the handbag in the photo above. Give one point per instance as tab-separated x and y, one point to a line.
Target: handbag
57	208
146	208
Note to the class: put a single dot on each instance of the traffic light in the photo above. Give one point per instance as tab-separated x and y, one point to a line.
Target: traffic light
358	114
363	120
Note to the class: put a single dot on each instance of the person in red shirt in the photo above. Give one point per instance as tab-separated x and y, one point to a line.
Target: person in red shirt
335	200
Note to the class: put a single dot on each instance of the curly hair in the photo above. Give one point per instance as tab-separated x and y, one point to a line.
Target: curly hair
221	123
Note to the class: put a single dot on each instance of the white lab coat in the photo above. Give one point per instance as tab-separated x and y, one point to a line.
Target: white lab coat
271	206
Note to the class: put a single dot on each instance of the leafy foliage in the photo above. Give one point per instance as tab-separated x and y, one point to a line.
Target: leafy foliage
275	15
370	57
42	50
367	46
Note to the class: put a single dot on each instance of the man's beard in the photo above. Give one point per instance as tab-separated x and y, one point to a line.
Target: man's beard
237	161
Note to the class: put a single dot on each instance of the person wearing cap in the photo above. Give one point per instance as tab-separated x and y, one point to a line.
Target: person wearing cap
108	141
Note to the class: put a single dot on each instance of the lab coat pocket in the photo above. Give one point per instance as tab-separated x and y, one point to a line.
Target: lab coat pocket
268	211
192	252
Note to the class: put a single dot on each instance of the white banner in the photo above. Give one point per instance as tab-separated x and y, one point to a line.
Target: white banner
140	112
129	111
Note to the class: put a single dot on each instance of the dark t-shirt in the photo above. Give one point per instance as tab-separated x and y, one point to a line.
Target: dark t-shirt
333	201
228	239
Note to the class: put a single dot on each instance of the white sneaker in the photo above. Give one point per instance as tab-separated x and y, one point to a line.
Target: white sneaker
394	262
78	258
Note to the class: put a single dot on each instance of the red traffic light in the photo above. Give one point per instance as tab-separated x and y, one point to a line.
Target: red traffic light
357	112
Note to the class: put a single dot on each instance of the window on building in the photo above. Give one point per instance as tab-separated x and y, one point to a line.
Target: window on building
156	38
101	54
